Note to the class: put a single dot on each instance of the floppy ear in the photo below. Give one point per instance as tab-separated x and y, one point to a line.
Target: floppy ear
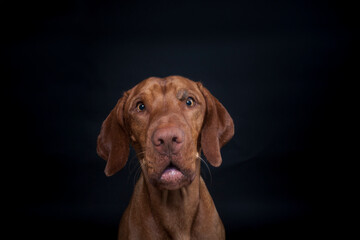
218	128
113	140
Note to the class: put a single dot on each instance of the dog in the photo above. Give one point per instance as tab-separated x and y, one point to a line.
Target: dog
168	121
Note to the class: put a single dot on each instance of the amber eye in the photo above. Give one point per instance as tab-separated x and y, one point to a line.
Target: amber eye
140	106
190	102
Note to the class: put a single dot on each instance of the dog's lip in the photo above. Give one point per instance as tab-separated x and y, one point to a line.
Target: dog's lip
171	166
171	174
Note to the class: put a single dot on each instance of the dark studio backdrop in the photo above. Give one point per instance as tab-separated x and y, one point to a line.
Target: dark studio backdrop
277	66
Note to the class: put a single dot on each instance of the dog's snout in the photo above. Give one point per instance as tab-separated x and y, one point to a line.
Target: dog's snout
168	140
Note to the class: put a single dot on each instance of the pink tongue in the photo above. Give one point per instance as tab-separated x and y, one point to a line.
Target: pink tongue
171	175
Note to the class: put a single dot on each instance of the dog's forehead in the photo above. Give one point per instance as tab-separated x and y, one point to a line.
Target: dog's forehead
175	85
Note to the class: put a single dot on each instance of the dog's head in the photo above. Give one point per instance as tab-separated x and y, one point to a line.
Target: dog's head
167	121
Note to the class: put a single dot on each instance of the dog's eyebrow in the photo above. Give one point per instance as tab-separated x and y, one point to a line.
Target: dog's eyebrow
182	94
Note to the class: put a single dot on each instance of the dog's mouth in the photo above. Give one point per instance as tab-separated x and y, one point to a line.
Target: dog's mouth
171	174
172	178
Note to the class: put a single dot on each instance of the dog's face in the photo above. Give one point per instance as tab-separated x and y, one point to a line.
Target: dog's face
167	121
165	117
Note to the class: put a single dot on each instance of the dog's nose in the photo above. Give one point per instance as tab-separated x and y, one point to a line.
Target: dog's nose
168	140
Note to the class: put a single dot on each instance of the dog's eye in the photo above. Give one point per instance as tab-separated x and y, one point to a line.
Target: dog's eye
190	102
140	106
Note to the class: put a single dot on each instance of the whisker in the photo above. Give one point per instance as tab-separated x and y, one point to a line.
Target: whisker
138	172
207	166
140	155
134	165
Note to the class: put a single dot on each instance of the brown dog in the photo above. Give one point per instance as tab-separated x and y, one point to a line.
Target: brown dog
167	121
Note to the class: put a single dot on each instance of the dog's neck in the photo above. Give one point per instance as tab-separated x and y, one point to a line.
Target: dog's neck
175	209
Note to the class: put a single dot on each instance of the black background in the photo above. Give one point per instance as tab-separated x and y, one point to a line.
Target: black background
279	67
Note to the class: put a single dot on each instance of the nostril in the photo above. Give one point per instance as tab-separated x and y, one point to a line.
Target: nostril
159	142
174	139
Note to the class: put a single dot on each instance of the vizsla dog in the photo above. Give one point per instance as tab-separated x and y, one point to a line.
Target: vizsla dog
168	121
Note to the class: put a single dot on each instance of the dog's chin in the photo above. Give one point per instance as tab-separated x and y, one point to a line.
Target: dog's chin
172	178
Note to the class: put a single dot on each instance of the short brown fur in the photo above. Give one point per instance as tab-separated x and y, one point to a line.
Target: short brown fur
159	209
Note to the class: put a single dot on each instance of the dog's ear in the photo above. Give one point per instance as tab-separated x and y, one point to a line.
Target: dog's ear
218	128
113	142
